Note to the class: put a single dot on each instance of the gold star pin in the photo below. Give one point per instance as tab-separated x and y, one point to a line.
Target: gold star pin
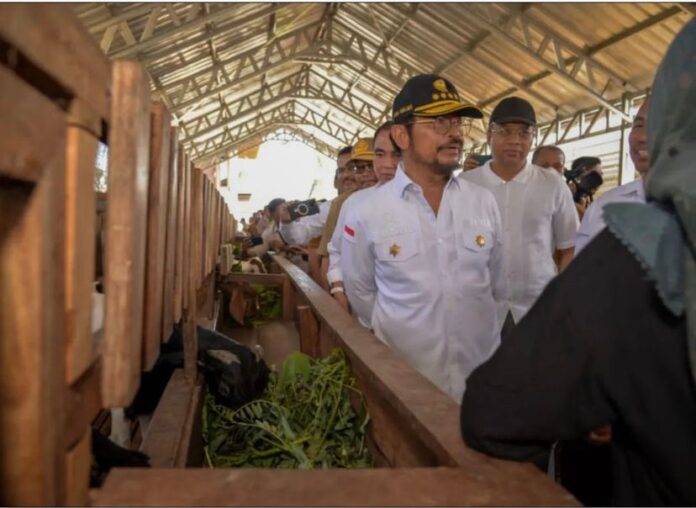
394	250
480	240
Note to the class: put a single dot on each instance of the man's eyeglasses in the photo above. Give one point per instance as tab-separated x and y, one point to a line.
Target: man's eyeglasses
360	167
525	134
443	124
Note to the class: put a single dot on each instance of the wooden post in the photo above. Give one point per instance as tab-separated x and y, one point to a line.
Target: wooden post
193	271
187	266
160	138
126	219
80	210
32	289
180	235
169	298
288	299
309	331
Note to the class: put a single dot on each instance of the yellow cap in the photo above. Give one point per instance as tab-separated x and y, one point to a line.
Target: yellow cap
362	150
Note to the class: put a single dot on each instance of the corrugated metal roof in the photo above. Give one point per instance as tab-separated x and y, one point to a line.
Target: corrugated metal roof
218	65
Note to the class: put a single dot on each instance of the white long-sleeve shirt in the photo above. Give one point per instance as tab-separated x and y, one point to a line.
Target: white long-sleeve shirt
538	216
593	220
428	284
304	229
335	272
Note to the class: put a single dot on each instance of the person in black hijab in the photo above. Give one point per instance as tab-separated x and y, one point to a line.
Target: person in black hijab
611	343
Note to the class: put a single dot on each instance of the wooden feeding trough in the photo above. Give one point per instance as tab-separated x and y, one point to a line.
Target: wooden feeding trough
414	432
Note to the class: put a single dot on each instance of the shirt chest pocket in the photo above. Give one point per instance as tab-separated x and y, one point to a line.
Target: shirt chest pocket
398	248
474	248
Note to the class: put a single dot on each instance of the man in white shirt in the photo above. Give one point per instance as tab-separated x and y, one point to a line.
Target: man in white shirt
536	207
385	159
593	220
304	229
421	263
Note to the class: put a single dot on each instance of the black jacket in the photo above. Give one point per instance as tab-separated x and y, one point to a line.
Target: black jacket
598	347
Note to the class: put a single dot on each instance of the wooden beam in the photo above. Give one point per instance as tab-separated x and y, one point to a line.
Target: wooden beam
329	487
172	234
80	219
160	138
126	220
180	235
32	286
52	37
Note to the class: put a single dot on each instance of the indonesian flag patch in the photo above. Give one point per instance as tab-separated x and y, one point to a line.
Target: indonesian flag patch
349	231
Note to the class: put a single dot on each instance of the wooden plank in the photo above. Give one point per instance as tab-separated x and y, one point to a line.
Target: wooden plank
180	235
160	138
32	287
78	462
269	279
126	225
165	433
80	218
330	487
288	300
53	39
82	404
29	144
168	298
308	327
187	266
190	314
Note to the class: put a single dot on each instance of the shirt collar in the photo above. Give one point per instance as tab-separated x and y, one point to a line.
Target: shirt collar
633	188
520	177
401	181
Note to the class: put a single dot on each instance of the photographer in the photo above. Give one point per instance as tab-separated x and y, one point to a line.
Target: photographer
584	178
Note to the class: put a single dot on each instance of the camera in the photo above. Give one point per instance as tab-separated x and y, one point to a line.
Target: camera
303	209
585	184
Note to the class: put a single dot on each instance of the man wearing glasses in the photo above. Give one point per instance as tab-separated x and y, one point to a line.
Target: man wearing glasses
421	264
535	204
360	165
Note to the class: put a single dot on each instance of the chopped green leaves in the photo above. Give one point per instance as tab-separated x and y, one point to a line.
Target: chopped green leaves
304	421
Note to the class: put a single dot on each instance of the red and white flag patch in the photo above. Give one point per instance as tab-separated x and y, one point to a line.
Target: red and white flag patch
349	231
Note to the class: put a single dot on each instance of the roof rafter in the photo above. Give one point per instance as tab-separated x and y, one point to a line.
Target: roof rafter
523	40
291	112
198	20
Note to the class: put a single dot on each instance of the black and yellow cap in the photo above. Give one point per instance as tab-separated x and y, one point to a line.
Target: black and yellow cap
430	95
362	150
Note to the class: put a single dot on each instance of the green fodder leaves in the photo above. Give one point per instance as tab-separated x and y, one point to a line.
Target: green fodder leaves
304	422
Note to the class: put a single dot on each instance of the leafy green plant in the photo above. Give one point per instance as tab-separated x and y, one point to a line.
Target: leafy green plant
269	304
304	420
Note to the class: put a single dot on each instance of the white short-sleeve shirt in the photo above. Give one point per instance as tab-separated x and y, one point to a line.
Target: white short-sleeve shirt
593	220
538	216
428	284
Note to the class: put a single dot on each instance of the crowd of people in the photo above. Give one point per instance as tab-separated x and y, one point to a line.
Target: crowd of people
581	362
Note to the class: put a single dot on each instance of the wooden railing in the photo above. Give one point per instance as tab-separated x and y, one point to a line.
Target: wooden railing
164	223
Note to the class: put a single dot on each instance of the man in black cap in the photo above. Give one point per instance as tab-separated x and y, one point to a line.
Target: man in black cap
535	205
425	256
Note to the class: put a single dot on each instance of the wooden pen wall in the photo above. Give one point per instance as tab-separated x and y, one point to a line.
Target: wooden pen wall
163	226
